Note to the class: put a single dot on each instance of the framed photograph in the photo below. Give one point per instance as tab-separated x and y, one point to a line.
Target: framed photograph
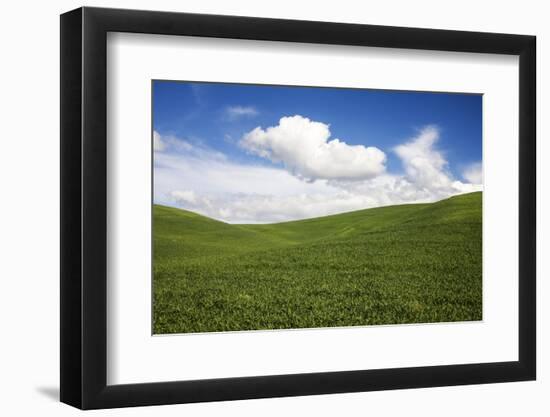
258	208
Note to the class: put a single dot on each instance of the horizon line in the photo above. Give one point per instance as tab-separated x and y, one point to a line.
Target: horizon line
318	217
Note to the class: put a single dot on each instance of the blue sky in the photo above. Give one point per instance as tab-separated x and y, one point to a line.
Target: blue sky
391	147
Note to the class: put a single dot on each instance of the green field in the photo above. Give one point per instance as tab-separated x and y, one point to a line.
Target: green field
416	263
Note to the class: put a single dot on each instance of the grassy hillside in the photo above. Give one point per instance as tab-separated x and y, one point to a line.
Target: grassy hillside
413	263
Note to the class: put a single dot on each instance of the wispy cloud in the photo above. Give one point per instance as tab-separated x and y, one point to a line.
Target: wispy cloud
158	143
236	112
473	173
172	145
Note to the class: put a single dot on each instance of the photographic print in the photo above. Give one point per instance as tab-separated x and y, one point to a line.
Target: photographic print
292	207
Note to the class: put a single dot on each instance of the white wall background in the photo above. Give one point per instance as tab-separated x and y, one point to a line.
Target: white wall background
29	225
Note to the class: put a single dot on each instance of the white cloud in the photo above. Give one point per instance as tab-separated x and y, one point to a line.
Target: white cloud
426	167
174	145
304	148
158	144
262	208
474	173
210	175
423	164
235	112
185	197
200	179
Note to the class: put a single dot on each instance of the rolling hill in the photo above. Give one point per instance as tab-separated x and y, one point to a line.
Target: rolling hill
416	263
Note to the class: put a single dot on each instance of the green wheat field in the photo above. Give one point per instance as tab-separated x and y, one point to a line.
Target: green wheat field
416	263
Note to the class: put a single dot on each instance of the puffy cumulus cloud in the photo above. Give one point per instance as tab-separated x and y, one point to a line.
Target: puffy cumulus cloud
235	112
304	148
473	173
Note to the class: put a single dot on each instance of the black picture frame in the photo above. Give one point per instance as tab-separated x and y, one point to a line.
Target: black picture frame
84	207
